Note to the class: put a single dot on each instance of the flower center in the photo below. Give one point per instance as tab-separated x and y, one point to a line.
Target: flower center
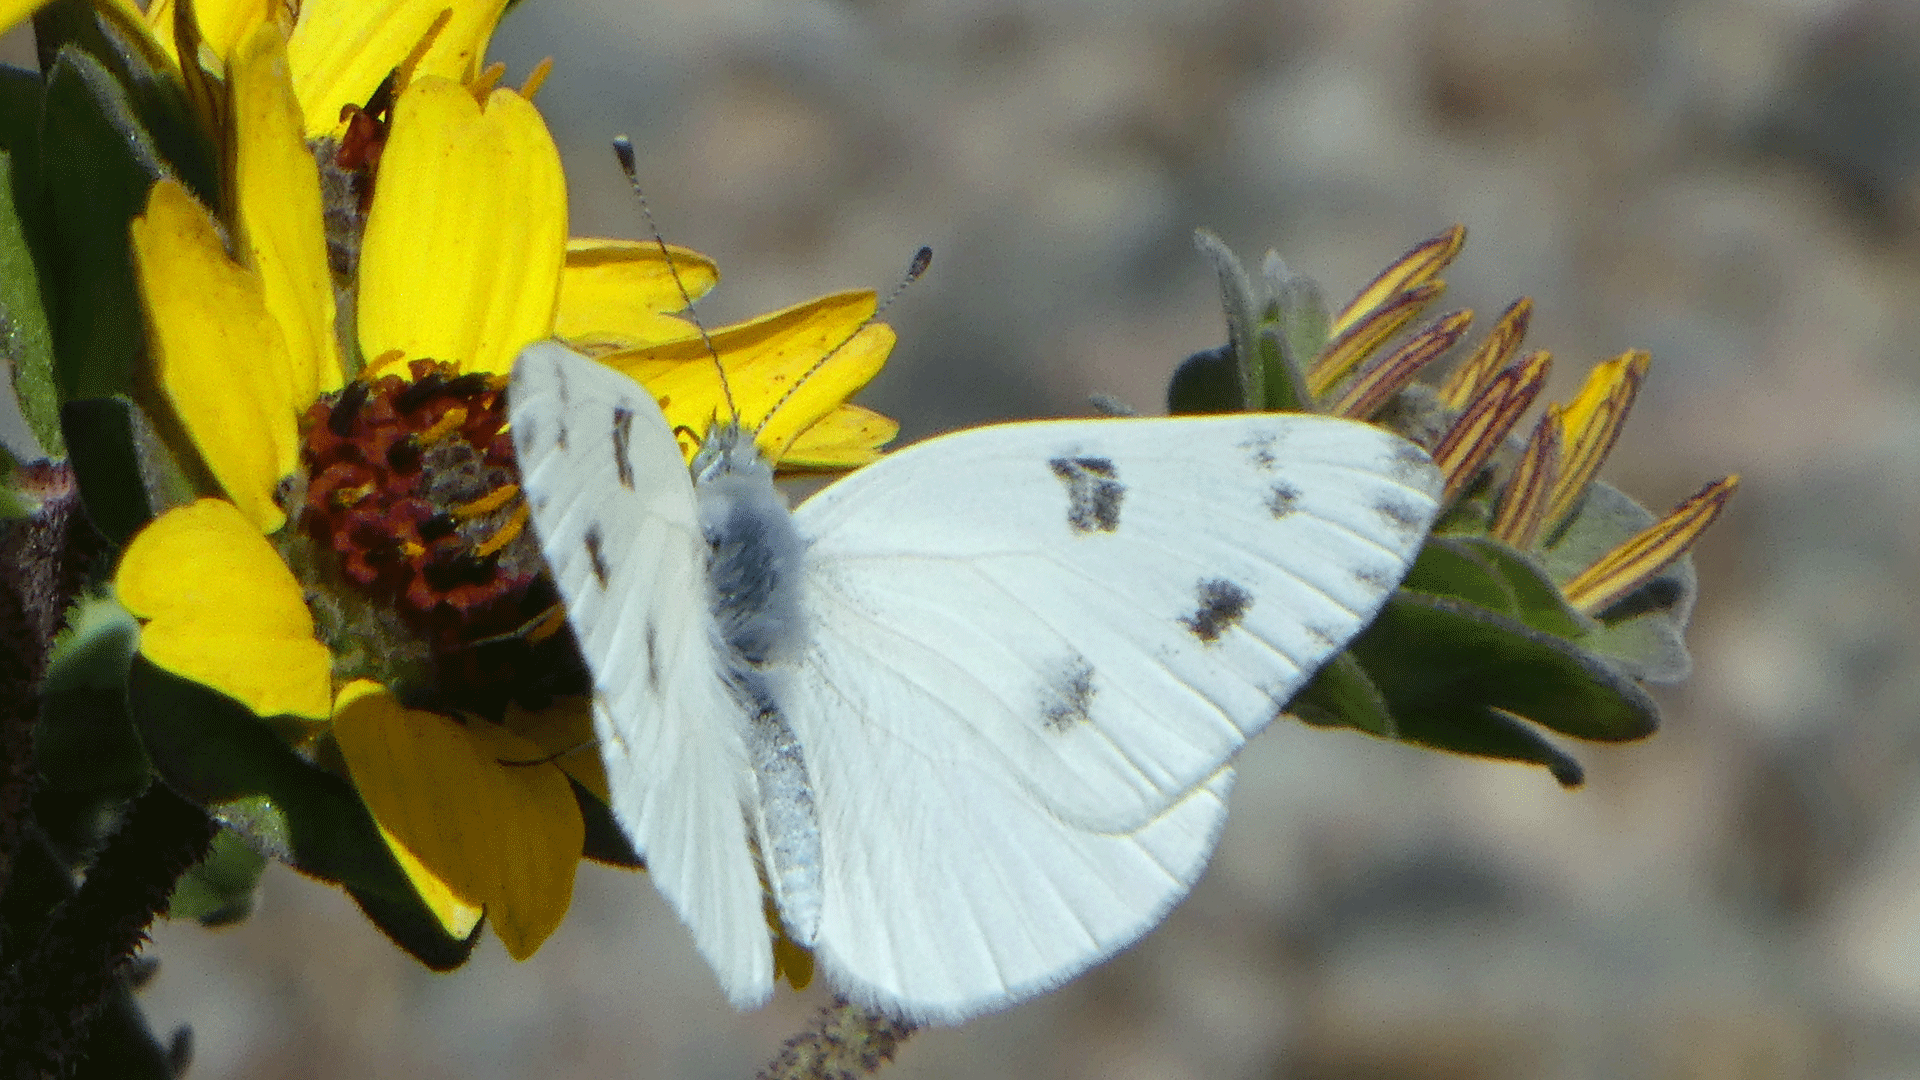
412	489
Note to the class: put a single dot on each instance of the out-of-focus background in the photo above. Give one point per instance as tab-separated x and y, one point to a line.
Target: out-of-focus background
1733	184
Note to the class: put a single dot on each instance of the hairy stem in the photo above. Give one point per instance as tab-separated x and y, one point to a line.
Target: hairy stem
846	1041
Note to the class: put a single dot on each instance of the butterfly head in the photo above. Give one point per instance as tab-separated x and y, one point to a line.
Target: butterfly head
729	450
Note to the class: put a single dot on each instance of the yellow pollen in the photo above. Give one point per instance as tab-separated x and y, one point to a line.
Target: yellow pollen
403	72
351	496
488	503
508	533
536	78
549	624
487	80
450	421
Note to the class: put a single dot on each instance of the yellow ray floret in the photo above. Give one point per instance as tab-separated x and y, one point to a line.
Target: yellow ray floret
827	346
280	220
620	294
342	49
469	830
217	351
221	609
464	245
1632	564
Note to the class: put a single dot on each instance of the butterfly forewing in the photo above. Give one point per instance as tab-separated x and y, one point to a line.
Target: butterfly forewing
614	510
1107	608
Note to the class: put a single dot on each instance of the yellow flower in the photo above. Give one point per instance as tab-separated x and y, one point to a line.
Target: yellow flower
408	559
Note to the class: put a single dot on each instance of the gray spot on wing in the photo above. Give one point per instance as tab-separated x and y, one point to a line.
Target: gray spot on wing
1375	578
1282	499
594	557
1260	451
1403	519
1067	700
622	432
1222	605
566	406
1094	492
652	639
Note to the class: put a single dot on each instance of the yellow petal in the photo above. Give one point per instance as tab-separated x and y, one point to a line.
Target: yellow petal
564	732
217	351
221	609
1491	358
223	26
847	438
15	12
457	916
1421	265
282	231
505	837
1482	428
1615	575
1591	425
618	294
467	233
828	343
342	49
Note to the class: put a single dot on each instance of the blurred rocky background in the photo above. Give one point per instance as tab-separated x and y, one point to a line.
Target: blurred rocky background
1732	184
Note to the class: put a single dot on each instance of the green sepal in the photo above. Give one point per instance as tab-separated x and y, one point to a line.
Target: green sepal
126	473
1486	573
85	739
98	163
1243	319
1273	330
154	87
1341	695
220	890
25	337
1645	633
1293	331
214	751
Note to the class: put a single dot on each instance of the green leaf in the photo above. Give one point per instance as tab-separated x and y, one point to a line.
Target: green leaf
85	741
1296	320
1646	633
1448	567
24	334
1534	598
98	163
104	443
113	37
220	890
1243	321
1456	677
217	753
1341	695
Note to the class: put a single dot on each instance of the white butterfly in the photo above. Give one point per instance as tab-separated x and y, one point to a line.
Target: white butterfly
969	712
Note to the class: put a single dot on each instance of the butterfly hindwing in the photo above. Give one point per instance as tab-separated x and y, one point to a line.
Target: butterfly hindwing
614	510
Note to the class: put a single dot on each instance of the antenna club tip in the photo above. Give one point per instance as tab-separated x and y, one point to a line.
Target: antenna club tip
921	260
623	151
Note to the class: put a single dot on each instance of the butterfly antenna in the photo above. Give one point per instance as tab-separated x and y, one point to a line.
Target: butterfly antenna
623	151
921	260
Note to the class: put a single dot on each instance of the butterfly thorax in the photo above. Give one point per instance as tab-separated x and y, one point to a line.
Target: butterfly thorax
753	550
